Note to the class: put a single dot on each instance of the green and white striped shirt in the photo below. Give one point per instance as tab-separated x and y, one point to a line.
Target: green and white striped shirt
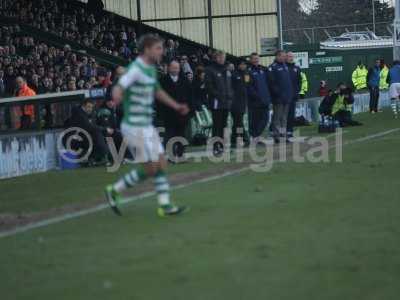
140	84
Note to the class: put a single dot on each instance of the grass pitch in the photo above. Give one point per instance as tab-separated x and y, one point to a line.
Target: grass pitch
302	231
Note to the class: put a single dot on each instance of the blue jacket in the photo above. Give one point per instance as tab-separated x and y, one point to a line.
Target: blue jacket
280	83
259	95
394	74
295	75
374	77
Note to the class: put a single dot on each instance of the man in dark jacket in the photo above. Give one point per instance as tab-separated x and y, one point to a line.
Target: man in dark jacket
259	97
178	87
240	82
295	75
119	71
220	93
82	117
282	92
373	83
107	118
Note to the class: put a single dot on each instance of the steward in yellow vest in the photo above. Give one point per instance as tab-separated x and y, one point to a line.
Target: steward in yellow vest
359	77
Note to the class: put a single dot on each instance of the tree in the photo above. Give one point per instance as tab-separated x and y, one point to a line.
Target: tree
293	15
343	12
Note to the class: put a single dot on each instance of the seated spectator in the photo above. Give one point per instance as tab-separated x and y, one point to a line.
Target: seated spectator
107	118
83	117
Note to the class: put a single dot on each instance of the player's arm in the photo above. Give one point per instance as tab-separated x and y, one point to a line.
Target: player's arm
117	94
124	83
167	100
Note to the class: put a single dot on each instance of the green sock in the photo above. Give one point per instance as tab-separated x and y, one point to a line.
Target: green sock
162	188
130	179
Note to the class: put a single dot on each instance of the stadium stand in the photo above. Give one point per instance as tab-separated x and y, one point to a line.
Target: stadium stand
60	46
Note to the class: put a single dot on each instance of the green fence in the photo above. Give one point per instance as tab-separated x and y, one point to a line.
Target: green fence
335	66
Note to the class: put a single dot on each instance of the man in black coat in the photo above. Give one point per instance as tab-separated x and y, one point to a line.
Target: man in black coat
240	83
178	87
282	93
83	117
295	75
259	98
107	118
220	93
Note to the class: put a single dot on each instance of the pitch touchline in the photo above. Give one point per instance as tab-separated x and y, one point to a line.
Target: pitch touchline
101	207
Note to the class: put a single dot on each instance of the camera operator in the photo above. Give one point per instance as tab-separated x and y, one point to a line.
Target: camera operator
343	101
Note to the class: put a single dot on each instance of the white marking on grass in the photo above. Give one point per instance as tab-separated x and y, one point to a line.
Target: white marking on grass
101	207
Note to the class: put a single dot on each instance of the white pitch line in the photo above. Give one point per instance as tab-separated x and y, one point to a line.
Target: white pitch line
101	207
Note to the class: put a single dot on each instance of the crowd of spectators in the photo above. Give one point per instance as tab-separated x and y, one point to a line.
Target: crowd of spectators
46	69
90	28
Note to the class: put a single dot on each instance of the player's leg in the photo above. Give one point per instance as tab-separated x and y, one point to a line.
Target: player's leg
394	96
165	206
394	107
135	139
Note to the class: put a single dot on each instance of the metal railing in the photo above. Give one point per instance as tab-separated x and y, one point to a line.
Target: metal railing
313	35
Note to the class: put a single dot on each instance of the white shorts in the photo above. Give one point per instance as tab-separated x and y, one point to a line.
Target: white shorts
143	142
394	91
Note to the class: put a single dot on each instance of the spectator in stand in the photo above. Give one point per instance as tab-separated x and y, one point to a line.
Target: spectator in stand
23	90
189	76
170	51
185	66
2	83
9	79
28	111
194	62
220	92
46	69
259	97
178	87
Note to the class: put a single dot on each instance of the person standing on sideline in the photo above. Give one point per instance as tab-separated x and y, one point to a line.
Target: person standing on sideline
373	82
220	93
282	92
359	77
240	81
304	85
138	88
259	97
178	87
295	75
383	85
394	87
